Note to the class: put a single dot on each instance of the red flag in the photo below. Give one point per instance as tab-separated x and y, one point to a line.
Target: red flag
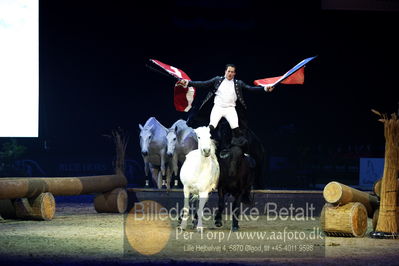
295	75
297	78
183	97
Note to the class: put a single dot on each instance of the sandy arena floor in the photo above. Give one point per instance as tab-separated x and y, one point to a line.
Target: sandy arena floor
79	235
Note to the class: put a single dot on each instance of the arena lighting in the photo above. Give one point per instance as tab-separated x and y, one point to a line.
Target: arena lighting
19	68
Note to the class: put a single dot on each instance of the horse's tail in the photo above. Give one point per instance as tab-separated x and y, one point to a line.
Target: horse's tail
247	199
258	153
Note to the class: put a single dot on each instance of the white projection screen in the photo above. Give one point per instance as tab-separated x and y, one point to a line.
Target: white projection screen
19	68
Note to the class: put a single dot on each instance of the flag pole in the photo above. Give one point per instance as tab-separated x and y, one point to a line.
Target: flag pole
161	72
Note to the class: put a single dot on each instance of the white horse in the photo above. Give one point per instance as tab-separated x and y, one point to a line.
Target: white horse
153	146
199	174
181	140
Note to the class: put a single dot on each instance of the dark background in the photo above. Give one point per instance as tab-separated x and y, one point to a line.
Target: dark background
93	77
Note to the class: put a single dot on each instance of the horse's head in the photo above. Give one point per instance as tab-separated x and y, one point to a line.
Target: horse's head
232	159
205	143
223	133
145	139
171	139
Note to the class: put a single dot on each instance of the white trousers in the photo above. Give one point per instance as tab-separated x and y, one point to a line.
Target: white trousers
229	113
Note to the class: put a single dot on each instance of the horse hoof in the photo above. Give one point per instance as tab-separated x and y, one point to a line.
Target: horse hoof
183	228
235	228
200	229
218	224
195	222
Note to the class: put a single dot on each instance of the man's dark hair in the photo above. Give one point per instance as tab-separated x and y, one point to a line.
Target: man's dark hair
230	65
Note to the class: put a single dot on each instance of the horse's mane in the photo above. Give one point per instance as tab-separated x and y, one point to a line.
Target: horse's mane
181	129
153	121
179	124
213	146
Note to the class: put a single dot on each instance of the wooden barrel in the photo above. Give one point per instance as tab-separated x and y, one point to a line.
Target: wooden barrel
40	208
114	201
346	220
337	193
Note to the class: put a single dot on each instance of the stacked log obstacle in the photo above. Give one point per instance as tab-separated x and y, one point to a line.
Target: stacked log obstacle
20	197
114	201
24	197
346	210
15	187
32	198
387	223
41	207
346	220
337	193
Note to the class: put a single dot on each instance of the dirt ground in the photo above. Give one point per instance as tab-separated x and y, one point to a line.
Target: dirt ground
79	235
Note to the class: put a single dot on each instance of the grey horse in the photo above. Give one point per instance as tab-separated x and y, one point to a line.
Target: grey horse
181	140
153	146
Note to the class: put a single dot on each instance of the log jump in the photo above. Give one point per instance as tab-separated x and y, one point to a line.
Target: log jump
33	198
13	188
346	210
337	193
344	220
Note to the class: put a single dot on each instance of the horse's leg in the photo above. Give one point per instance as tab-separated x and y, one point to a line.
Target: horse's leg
146	170
175	169
163	161
159	180
164	166
175	164
168	178
219	211
185	210
195	209
236	213
203	198
154	173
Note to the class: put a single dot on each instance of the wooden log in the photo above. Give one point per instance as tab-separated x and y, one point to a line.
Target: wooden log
41	207
114	201
377	187
346	220
337	193
13	188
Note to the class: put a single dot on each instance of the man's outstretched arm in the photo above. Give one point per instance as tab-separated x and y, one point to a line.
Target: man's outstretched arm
198	84
266	88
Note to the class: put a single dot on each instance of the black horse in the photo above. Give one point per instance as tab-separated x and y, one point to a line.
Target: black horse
239	166
254	147
236	178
